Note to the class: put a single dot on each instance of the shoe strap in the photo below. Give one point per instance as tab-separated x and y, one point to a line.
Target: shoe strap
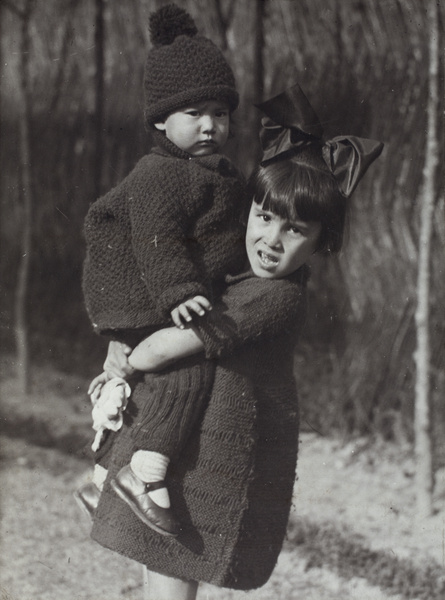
155	485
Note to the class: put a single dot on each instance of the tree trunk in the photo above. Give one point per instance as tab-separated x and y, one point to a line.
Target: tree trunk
422	425
257	89
99	96
24	110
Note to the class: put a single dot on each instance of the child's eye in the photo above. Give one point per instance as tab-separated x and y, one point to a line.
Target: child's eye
264	217
193	113
294	229
221	114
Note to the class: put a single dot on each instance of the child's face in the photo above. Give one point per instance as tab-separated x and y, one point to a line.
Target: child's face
200	129
277	247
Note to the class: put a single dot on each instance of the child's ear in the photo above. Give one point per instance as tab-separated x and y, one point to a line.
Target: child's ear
160	126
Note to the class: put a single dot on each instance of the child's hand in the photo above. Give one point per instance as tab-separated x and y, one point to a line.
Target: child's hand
198	305
116	362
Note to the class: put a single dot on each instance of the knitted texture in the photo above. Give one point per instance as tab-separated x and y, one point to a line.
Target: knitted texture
232	486
169	231
183	67
165	406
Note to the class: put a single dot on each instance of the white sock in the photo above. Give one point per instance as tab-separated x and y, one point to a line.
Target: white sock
99	476
151	467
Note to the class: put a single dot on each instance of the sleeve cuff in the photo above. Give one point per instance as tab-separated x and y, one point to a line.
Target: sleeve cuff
173	296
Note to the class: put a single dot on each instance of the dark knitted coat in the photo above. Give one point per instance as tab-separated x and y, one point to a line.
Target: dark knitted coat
169	231
232	486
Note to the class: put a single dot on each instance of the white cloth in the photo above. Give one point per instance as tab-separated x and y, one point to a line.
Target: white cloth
110	400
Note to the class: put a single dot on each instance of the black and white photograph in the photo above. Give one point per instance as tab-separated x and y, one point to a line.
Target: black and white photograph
222	326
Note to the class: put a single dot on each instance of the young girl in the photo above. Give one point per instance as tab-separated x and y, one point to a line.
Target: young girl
232	485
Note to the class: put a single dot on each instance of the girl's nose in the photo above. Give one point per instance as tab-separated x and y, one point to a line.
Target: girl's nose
273	238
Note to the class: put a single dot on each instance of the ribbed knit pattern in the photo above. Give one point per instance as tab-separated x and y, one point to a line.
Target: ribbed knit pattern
166	405
231	488
183	67
169	231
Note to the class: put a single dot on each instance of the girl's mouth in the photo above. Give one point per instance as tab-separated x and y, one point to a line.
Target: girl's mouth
267	259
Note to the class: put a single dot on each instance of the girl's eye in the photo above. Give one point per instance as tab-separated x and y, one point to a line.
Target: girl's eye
294	229
264	218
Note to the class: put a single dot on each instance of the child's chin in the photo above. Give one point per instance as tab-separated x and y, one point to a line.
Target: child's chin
263	273
207	151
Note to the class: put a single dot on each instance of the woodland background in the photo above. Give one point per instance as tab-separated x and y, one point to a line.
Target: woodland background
363	65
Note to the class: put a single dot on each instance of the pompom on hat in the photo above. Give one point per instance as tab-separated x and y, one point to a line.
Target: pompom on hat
183	67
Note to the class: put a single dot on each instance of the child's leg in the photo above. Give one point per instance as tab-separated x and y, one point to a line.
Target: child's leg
161	587
99	476
151	467
88	495
167	406
141	497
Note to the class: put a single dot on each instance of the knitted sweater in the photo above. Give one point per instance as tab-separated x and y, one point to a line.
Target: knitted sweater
169	231
232	487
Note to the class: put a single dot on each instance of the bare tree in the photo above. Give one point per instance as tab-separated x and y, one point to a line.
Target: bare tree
24	119
422	424
258	63
67	39
217	19
99	94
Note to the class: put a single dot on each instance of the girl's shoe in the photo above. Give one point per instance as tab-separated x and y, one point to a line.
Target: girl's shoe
87	497
134	492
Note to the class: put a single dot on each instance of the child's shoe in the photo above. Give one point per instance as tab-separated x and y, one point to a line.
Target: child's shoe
135	493
87	497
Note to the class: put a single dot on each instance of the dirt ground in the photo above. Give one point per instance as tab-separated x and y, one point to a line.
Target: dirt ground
46	552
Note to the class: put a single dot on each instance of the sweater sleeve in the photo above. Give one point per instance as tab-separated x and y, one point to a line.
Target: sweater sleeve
159	237
249	311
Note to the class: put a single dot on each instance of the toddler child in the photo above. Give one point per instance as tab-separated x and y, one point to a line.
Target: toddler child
162	241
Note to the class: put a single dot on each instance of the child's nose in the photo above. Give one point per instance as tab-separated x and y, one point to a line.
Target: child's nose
207	123
273	238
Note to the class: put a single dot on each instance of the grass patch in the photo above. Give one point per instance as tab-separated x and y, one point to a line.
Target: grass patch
348	554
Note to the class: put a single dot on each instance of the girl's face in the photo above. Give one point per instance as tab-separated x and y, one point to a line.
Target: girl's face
201	128
277	247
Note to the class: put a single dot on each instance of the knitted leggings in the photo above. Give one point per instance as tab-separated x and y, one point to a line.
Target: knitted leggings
163	409
165	406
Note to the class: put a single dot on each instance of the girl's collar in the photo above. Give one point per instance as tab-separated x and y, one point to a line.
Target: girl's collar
301	276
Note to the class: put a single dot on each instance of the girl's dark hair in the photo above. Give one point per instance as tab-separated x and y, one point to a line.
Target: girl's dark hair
301	186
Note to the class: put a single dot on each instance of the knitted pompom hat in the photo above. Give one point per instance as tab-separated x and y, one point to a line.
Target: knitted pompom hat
182	67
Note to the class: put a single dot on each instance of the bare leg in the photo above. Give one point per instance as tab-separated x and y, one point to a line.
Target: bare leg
161	587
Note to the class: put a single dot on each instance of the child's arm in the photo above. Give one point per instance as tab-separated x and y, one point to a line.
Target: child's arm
165	347
247	312
162	248
252	310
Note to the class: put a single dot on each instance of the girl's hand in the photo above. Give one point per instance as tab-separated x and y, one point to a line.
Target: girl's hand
116	364
198	305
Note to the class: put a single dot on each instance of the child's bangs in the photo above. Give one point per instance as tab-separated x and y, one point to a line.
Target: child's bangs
297	195
279	205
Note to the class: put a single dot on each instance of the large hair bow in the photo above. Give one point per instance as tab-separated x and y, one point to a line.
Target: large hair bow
291	125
